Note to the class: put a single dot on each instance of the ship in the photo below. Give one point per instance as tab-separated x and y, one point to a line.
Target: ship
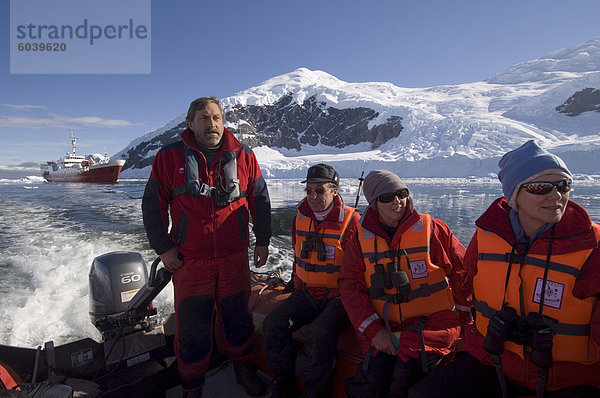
79	168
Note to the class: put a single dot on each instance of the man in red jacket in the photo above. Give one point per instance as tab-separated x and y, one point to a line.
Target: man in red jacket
400	281
206	186
321	229
533	266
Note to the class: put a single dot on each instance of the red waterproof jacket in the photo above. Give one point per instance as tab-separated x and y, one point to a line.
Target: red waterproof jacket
331	221
200	228
572	233
446	252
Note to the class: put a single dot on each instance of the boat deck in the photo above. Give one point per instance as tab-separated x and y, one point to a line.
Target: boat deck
220	382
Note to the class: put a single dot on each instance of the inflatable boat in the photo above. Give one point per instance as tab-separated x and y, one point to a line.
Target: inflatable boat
135	357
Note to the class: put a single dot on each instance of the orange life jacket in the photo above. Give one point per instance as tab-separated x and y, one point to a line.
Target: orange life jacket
429	291
319	255
568	316
7	378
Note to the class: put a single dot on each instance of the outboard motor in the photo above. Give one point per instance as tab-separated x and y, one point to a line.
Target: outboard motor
114	279
121	293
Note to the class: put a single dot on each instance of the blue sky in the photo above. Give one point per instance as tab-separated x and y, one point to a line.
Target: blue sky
218	48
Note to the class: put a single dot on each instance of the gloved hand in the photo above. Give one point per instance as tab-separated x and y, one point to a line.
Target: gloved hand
409	345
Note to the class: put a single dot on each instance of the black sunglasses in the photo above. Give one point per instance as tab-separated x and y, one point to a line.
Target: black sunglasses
545	187
388	197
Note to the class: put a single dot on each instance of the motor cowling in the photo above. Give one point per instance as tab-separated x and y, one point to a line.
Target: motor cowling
114	280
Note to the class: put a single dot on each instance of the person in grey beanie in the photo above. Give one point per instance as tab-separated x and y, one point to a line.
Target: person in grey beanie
534	268
400	281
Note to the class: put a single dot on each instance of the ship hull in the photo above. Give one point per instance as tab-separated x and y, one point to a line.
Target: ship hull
103	173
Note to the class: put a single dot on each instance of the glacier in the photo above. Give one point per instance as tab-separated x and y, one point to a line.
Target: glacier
447	131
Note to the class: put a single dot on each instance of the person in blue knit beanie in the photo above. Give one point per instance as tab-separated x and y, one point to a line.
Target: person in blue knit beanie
533	265
524	164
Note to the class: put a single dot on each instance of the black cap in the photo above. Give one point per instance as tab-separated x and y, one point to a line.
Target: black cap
322	173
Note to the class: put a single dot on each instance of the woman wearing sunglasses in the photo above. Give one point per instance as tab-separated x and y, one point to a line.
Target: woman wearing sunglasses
400	279
534	264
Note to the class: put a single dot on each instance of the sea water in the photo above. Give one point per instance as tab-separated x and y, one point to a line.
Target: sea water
51	232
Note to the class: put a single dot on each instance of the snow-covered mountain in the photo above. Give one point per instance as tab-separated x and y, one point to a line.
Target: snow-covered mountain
300	118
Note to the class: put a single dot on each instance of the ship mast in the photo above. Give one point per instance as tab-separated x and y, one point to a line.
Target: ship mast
73	141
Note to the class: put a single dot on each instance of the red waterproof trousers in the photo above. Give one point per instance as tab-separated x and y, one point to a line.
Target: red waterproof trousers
206	288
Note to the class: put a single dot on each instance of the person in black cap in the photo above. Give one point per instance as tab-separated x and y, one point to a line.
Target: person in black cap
322	226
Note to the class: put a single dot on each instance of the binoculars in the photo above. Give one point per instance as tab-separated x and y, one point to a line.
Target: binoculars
506	325
541	341
501	328
313	245
381	280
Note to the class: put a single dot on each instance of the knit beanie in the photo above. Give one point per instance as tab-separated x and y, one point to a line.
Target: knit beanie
524	164
379	182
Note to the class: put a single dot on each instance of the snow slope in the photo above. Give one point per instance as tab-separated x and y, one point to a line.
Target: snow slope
453	130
